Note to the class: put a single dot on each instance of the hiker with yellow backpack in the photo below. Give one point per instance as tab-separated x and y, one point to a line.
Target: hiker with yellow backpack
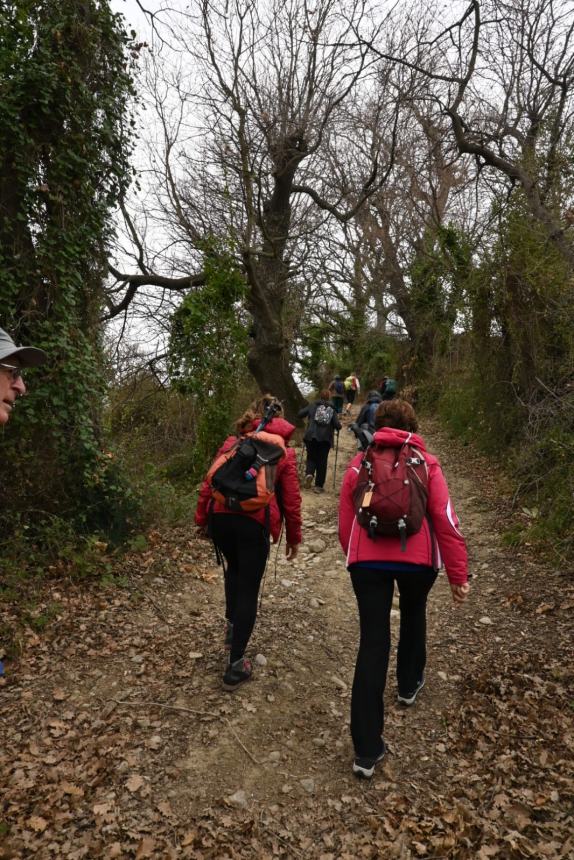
352	388
250	490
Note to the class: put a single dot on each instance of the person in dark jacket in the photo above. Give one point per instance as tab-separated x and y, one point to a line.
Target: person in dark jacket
243	538
375	565
366	418
388	388
337	394
319	435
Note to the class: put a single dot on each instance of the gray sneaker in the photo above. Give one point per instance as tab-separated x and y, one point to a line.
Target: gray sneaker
318	489
364	768
409	700
308	481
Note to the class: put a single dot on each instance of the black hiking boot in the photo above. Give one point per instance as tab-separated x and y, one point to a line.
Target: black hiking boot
237	674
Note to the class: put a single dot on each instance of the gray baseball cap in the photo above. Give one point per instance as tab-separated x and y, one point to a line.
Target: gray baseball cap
28	356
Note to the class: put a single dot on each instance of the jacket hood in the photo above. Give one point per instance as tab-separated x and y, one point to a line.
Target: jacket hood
391	438
373	397
280	426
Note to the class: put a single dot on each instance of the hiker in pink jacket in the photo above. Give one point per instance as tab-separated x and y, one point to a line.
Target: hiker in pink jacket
375	564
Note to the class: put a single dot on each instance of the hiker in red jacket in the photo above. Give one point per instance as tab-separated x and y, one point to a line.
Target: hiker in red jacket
243	538
375	564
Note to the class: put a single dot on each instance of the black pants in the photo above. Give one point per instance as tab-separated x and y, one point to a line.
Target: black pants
244	544
374	593
337	401
317	456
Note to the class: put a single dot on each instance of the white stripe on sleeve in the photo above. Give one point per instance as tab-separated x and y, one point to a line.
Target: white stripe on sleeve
450	514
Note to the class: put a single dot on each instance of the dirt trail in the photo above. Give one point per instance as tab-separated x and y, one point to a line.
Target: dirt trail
119	741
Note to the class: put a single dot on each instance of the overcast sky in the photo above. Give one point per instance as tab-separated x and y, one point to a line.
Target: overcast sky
134	16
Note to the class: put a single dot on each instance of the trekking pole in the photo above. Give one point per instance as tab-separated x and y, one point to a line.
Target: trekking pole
300	461
336	455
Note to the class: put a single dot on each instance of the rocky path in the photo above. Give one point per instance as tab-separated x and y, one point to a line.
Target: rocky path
119	742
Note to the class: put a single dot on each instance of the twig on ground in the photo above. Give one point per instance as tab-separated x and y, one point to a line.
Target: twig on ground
195	713
159	611
273	833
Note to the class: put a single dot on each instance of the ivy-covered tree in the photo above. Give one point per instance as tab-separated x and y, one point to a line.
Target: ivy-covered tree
208	351
438	274
65	141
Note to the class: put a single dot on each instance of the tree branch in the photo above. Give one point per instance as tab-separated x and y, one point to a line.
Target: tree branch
134	282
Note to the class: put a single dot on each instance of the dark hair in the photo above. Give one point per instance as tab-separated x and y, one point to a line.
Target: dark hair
324	394
397	414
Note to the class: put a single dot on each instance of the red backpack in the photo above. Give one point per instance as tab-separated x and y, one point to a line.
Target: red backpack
392	491
243	477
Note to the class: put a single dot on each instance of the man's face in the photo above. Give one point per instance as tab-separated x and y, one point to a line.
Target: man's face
11	387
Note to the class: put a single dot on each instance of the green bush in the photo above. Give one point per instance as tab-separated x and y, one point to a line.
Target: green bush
545	469
532	441
49	546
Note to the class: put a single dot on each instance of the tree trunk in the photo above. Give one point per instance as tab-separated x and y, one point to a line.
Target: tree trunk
17	254
269	355
269	364
268	274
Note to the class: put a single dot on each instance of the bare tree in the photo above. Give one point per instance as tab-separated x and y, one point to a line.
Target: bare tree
370	267
503	72
277	87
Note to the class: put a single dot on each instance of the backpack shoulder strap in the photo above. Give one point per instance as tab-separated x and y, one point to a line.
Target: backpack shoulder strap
270	438
418	454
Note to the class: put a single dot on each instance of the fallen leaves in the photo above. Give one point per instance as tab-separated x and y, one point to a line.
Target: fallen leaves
543	608
134	783
483	770
146	848
72	790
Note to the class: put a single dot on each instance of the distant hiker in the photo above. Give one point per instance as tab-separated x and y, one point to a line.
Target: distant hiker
388	388
319	435
366	417
13	359
376	561
337	392
243	536
352	388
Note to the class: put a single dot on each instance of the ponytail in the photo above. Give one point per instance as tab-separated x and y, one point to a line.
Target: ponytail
244	424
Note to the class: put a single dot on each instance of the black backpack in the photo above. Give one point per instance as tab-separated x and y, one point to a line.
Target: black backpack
390	389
